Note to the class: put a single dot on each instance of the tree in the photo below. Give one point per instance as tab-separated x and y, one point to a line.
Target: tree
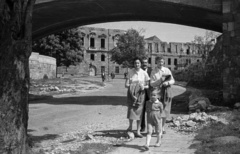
15	49
205	43
64	46
130	45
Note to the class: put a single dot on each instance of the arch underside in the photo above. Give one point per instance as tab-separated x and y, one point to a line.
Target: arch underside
58	15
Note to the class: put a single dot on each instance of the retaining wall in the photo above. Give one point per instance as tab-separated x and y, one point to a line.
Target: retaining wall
41	65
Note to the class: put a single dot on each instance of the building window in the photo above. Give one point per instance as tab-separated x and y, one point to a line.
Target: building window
92	42
176	49
82	41
175	61
102	57
156	60
117	69
188	51
169	50
102	68
156	47
163	47
169	61
92	57
189	61
198	60
102	43
149	60
149	47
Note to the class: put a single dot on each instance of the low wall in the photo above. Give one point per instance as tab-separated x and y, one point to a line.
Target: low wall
41	65
81	69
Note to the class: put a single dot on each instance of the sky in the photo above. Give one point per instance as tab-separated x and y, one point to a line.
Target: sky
164	31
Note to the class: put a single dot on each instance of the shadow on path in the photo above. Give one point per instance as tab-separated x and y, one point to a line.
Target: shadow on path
85	100
39	139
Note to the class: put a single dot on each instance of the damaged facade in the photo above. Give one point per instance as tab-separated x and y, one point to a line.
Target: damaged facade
98	42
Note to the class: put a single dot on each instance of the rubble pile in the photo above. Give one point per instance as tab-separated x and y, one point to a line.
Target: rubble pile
57	89
194	121
74	142
202	104
53	89
237	106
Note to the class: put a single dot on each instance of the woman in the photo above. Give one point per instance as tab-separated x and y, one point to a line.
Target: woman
136	81
162	79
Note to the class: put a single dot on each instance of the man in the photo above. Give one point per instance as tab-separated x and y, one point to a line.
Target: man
148	70
112	75
103	76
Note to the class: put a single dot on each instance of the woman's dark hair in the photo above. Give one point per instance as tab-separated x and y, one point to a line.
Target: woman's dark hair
137	58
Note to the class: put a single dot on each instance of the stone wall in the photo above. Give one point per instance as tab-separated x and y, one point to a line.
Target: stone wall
231	50
81	69
41	65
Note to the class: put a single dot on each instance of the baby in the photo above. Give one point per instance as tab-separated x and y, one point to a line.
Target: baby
154	110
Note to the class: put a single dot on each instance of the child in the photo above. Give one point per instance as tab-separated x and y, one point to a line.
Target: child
154	110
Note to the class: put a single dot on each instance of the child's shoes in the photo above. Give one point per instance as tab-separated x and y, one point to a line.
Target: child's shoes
146	147
157	144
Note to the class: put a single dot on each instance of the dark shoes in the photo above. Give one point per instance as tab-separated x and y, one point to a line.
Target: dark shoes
146	147
142	130
139	135
129	129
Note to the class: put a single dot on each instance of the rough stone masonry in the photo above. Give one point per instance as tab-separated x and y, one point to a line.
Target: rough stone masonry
231	50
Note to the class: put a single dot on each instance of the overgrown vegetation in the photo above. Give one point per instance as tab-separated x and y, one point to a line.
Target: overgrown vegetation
65	46
209	132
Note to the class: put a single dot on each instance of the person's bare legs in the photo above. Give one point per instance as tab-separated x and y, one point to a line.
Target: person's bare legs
130	125
159	134
163	124
138	129
149	136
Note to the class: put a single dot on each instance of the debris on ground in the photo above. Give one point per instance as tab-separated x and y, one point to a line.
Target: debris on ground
41	88
73	142
199	103
78	141
237	105
194	121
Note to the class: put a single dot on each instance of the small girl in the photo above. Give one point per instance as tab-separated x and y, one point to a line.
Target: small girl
154	110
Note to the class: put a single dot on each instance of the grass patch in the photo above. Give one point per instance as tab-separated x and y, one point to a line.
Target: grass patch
213	130
211	148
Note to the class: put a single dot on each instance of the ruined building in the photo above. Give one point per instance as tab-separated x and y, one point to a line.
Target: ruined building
99	41
177	55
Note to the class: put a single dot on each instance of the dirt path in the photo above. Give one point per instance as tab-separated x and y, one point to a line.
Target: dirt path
98	110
